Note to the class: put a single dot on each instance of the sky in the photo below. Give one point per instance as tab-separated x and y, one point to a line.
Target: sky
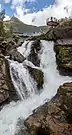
35	12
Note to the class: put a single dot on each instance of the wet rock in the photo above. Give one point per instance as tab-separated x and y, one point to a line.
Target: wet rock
55	117
16	56
4	94
13	95
33	56
38	76
20	128
64	57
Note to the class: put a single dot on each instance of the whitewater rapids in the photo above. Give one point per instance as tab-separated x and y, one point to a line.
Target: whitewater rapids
52	80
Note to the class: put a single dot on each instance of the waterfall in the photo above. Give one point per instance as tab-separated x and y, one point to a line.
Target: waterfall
21	79
25	48
25	85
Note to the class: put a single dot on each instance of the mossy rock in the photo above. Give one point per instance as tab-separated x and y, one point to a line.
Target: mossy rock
16	56
64	58
63	53
38	76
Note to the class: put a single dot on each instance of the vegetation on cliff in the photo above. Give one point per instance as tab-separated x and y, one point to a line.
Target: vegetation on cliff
2	16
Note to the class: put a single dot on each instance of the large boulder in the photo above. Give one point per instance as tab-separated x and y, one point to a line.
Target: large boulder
33	56
38	76
16	56
55	117
9	48
64	56
63	30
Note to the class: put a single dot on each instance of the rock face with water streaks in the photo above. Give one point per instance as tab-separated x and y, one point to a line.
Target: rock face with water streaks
4	90
55	117
8	48
38	76
33	56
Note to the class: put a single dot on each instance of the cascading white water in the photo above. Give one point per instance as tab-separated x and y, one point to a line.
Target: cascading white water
23	82
10	113
25	48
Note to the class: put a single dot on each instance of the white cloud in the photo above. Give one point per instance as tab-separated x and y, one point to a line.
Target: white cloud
7	1
60	9
6	18
19	7
20	11
0	7
20	2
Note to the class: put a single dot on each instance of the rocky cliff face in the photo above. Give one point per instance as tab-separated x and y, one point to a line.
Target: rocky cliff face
33	56
63	30
64	57
4	90
8	48
63	47
53	118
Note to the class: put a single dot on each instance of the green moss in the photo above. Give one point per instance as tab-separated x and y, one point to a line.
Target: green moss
38	76
63	53
33	133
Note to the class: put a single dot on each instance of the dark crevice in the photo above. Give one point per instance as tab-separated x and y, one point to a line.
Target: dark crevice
43	131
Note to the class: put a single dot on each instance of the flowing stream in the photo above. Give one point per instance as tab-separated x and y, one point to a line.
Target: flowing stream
26	87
